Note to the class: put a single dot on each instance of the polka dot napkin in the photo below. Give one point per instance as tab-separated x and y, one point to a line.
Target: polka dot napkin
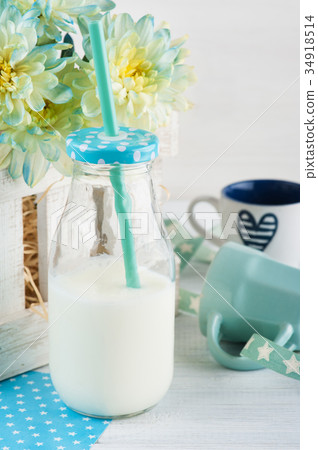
33	416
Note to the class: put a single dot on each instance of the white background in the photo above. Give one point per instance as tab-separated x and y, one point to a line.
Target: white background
246	53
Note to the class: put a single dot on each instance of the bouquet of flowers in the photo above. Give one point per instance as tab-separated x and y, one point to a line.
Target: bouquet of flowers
47	91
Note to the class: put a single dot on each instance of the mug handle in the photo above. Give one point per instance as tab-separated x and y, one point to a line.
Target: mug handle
214	202
237	362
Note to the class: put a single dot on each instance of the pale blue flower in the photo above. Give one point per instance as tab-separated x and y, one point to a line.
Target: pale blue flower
29	149
28	72
56	16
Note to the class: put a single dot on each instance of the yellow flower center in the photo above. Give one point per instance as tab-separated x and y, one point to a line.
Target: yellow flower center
6	76
132	64
134	68
46	117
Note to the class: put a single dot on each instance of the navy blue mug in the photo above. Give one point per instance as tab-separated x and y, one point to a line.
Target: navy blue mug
262	214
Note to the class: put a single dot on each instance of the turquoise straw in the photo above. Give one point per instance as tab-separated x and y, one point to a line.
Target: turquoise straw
104	83
123	209
122	199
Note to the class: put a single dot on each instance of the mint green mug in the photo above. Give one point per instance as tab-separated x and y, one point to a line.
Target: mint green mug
247	292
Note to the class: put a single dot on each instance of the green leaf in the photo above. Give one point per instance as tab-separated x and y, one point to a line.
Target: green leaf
68	52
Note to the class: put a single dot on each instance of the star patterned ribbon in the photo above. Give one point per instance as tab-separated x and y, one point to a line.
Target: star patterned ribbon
272	356
188	248
189	302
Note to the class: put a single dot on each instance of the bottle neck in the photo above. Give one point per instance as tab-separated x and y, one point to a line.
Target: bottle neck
104	170
136	178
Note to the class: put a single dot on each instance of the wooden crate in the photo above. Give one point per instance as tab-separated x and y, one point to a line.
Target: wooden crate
23	334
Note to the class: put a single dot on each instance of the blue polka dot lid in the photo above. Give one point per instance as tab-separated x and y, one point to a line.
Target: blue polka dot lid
131	146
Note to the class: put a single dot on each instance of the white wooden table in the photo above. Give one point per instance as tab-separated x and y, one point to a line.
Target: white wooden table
210	407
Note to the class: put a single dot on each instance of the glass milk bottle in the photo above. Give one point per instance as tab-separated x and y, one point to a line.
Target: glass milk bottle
111	346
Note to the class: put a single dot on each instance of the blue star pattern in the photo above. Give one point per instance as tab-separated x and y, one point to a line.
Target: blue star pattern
32	416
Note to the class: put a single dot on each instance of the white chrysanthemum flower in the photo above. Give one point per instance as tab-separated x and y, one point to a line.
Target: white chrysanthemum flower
147	69
27	72
56	16
29	149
